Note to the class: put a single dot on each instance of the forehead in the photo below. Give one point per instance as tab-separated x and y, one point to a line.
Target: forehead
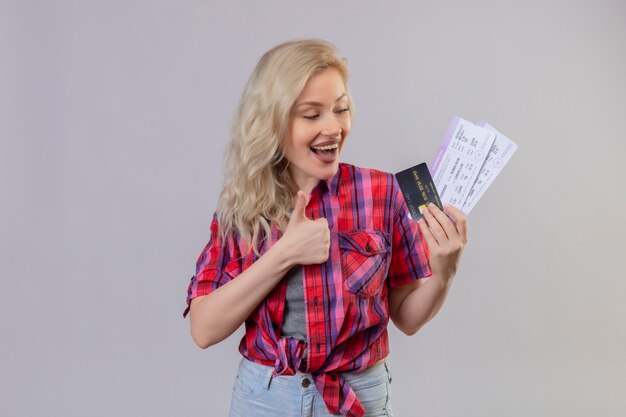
324	86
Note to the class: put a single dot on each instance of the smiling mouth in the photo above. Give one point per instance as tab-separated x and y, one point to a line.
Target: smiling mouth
324	150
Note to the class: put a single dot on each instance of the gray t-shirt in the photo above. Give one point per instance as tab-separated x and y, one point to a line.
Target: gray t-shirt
294	322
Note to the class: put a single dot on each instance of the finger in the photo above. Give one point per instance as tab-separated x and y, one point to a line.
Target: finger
299	213
434	226
431	242
460	218
323	220
444	220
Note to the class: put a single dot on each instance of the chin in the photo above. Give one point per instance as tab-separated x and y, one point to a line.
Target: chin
328	172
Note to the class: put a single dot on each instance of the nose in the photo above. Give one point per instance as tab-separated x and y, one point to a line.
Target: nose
332	128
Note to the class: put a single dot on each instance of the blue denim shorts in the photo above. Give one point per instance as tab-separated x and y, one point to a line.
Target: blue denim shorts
257	393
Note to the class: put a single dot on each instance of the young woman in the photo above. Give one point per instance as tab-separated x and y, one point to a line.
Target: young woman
313	254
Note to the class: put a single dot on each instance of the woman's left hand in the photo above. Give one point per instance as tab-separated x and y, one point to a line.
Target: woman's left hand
445	239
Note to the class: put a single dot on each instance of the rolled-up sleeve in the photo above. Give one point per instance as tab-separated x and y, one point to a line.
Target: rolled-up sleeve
218	263
409	251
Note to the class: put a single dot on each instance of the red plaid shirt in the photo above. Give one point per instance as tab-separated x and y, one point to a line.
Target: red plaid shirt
374	244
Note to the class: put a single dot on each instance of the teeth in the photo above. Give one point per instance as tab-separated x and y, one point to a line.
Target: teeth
326	148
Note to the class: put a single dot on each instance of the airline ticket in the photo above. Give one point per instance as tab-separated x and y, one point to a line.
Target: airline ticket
460	159
498	156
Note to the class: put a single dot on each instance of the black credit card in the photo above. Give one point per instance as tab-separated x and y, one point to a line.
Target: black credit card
418	189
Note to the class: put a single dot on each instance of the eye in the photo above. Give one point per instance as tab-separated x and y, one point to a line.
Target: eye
343	110
312	117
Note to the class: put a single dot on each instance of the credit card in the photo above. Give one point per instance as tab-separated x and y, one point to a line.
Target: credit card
418	189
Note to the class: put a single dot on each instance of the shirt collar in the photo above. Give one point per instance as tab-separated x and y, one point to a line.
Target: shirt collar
332	183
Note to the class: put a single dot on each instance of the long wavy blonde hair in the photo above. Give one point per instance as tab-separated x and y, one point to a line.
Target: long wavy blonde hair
258	188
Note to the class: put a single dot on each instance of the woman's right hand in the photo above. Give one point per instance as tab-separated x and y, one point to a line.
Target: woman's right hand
306	240
217	315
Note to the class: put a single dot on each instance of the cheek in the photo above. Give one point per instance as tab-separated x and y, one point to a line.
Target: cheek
296	151
346	125
302	137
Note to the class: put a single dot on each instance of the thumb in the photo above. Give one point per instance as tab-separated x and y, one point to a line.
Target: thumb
298	213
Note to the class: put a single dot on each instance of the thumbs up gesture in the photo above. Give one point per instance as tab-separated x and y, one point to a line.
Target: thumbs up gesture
307	240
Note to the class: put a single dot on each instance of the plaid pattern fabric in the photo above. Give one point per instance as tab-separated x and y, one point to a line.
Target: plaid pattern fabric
374	245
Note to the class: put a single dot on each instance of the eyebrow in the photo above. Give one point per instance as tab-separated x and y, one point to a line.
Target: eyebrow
315	103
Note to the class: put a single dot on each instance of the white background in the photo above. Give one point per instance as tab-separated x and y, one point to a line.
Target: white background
113	120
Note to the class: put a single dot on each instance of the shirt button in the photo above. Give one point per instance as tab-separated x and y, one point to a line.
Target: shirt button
306	382
368	247
333	377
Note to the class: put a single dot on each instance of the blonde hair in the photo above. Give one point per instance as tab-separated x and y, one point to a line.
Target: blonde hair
258	188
